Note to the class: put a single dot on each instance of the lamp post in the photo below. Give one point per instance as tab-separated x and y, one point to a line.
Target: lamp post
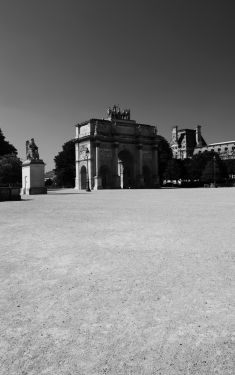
87	175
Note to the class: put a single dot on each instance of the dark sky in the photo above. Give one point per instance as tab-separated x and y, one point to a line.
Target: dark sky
172	62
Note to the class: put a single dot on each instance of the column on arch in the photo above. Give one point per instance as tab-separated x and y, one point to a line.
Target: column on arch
140	177
77	177
120	173
97	180
155	165
115	175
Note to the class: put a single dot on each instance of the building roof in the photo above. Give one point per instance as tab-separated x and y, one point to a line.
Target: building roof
220	143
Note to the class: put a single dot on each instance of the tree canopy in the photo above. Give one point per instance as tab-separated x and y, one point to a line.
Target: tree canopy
65	165
230	166
10	170
214	171
173	170
194	168
201	168
164	155
5	146
10	164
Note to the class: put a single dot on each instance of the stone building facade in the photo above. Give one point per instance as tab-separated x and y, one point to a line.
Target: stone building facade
226	150
188	142
184	141
116	152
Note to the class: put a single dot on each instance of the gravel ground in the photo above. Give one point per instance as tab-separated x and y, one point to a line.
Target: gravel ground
118	282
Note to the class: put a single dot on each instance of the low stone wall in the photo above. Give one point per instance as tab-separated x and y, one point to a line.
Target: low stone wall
10	194
34	190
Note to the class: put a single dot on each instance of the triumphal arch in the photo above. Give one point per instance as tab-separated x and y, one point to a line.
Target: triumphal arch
116	152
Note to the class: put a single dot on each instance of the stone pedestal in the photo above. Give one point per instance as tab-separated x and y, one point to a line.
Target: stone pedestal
33	177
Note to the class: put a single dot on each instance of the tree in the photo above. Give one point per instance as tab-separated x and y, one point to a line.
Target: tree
10	164
5	146
214	171
65	165
10	170
173	170
164	155
195	166
230	166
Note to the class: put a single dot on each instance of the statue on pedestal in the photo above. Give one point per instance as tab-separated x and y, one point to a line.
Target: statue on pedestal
32	150
33	171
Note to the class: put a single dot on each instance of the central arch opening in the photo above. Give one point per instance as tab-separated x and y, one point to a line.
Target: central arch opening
147	174
104	173
83	177
126	169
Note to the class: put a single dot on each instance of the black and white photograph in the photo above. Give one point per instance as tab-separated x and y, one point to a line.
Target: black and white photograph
117	187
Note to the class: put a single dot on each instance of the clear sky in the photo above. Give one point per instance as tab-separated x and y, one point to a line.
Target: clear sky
172	62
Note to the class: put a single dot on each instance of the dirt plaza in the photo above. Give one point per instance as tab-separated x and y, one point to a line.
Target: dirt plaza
118	282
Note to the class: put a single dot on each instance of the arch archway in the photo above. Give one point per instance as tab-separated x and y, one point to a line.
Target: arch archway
83	174
104	174
147	174
126	169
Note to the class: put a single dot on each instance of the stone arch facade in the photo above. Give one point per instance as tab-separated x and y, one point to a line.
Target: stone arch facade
117	153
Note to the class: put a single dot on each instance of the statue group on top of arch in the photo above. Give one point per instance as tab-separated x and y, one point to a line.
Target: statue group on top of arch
32	150
116	113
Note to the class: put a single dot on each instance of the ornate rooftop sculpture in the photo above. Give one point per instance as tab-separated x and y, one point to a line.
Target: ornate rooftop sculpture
116	113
